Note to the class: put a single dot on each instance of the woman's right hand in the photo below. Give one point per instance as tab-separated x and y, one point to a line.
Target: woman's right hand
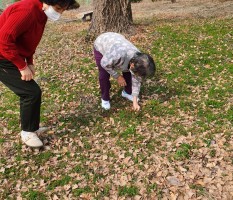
121	81
27	74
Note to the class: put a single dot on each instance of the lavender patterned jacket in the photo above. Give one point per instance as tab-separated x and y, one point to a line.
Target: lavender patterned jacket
117	52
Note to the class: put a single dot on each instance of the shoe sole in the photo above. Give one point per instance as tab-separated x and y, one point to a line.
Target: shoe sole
34	146
105	108
129	99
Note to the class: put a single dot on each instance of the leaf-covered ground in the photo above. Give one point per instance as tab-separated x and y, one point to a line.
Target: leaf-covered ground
179	146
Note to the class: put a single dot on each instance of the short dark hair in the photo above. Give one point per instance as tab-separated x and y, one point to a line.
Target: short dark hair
144	65
70	4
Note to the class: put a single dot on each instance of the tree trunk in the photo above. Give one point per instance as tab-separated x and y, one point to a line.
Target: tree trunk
111	15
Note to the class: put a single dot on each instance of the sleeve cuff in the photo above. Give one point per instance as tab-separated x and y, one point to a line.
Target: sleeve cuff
115	75
135	94
20	69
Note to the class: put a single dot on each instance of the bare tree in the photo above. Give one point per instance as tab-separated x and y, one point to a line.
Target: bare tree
111	15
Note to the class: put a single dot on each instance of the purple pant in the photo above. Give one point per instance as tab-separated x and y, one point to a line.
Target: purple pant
104	77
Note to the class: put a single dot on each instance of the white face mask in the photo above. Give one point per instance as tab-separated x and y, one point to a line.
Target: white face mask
52	14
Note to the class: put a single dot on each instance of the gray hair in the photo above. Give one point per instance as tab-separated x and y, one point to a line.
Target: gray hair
144	65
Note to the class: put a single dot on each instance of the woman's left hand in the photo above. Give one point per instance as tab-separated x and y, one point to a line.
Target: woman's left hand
32	68
136	107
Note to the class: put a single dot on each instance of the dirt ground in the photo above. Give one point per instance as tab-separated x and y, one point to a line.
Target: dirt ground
184	8
165	9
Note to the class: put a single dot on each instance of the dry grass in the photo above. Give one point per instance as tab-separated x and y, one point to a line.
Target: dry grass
165	9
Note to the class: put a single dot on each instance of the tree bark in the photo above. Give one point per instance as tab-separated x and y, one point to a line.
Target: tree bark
111	15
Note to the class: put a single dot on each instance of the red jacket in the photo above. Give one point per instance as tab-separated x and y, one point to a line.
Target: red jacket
21	28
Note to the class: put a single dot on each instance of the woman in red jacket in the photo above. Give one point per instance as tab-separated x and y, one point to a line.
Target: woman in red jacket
21	28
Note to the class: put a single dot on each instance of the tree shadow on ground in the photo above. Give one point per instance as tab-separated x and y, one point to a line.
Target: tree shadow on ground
157	88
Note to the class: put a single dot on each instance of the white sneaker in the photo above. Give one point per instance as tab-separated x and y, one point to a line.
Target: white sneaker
31	139
105	104
126	95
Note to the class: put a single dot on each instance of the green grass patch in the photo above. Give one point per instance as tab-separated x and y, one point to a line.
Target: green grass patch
129	191
43	157
77	192
183	152
34	195
60	182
